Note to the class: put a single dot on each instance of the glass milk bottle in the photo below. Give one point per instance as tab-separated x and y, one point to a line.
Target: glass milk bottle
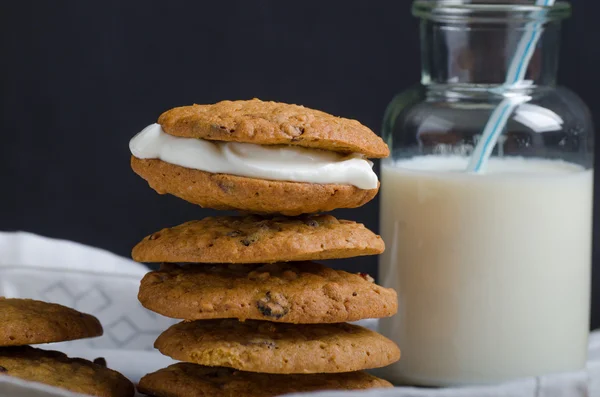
492	269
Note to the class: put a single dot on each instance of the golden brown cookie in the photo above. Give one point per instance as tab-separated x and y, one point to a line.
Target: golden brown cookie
27	321
272	123
230	192
256	239
56	369
191	380
275	348
292	292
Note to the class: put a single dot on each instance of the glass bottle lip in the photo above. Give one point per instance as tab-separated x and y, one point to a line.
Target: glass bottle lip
489	11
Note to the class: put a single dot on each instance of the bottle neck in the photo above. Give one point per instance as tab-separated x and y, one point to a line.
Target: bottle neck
481	54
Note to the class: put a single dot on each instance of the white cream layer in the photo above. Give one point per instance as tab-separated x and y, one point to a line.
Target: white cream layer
281	163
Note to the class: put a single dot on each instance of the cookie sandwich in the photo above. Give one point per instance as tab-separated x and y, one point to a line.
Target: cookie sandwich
260	157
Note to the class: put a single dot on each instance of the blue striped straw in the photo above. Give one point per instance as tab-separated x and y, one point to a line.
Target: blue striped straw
515	76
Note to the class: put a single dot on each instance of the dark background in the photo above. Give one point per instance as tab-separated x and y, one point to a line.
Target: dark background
80	78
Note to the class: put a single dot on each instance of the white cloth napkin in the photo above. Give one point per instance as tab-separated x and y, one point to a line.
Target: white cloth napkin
98	282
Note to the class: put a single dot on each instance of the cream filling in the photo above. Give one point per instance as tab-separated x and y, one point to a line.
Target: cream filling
280	163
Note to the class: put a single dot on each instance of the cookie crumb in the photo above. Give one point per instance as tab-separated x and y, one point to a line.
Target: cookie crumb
154	236
367	277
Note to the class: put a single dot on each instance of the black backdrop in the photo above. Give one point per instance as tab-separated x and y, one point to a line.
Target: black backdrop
79	78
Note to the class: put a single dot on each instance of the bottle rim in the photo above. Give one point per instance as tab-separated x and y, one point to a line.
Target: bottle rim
490	11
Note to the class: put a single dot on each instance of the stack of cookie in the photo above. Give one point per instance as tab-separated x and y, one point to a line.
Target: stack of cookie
260	318
25	322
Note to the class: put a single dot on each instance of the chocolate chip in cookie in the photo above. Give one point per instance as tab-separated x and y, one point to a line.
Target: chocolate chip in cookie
275	306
